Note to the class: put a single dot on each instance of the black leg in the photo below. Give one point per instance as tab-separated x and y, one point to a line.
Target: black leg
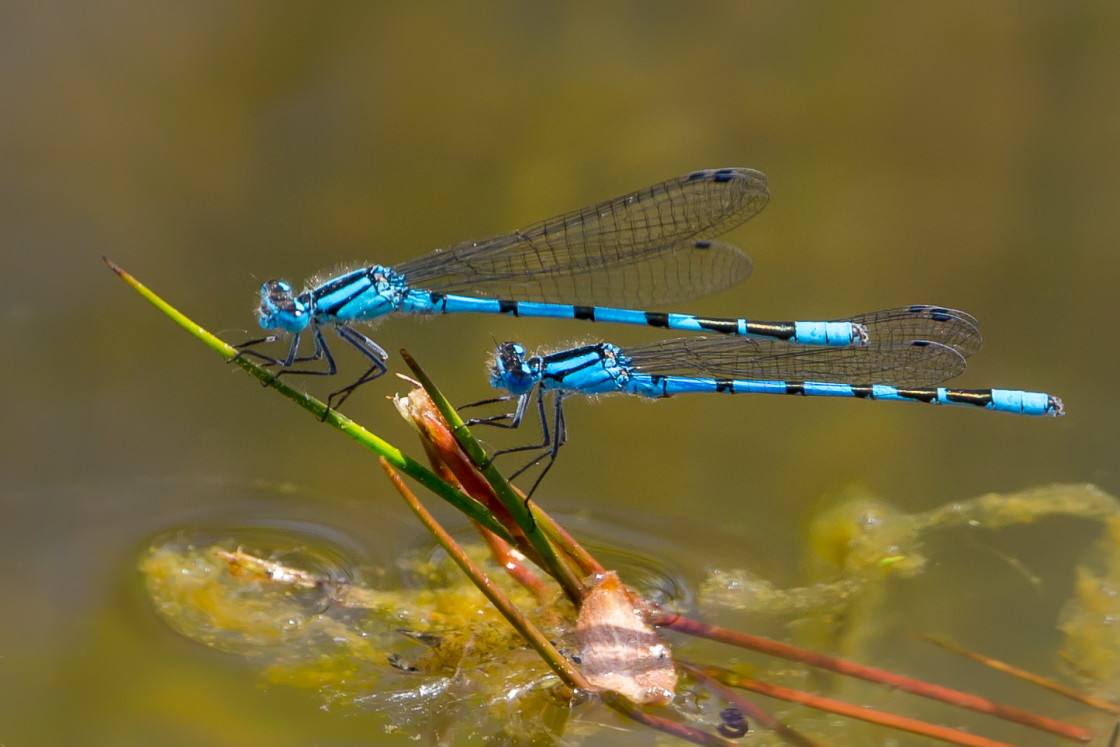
371	350
243	350
514	417
367	347
560	437
515	420
492	420
287	365
321	352
552	436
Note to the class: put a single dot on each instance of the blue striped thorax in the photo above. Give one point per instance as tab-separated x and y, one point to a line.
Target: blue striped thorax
279	310
591	369
511	371
363	294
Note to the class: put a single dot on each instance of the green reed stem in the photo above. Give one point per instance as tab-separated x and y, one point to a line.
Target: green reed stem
382	448
530	632
516	504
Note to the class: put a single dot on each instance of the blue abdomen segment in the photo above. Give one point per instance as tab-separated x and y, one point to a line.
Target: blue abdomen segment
1008	400
1000	400
904	371
841	334
828	333
1012	401
372	292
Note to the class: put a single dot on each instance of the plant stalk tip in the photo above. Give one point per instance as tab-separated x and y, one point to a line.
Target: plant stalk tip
112	265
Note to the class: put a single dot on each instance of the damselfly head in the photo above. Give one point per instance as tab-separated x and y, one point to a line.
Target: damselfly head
279	310
510	371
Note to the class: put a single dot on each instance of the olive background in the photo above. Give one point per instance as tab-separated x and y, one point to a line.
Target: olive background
954	153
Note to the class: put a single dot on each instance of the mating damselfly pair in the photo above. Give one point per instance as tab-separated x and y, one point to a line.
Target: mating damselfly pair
646	249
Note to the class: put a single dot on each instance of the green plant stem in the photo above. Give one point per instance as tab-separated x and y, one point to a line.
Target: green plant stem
559	536
531	633
517	506
384	449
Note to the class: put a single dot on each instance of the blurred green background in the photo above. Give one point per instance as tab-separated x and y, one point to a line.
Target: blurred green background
953	153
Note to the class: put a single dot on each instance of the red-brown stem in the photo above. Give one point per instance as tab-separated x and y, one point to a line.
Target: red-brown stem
761	717
870	674
449	462
499	548
675	728
511	560
1023	674
448	458
563	541
571	676
841	708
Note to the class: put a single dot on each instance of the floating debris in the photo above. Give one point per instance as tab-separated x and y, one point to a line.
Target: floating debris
620	652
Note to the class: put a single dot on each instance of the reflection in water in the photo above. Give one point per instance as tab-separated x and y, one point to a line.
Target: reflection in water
421	646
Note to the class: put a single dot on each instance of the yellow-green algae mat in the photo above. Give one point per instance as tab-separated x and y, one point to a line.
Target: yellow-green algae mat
438	651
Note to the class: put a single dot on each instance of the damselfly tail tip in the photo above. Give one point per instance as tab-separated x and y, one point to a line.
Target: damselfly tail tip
1056	407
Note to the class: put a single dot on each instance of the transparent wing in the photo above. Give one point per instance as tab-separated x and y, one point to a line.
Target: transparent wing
956	329
644	247
675	273
896	362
